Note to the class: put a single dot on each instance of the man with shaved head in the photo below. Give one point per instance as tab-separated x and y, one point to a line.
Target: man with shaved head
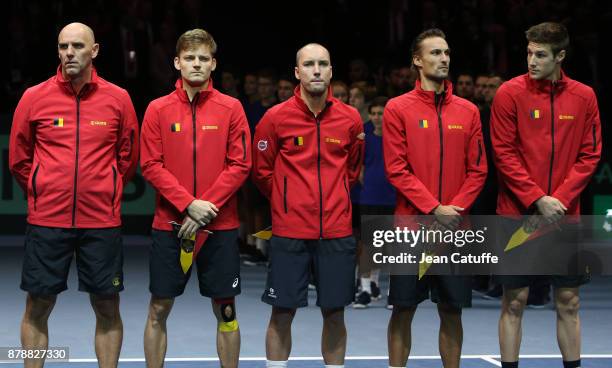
307	153
73	146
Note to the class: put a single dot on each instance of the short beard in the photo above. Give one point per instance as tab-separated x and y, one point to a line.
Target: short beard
436	78
316	93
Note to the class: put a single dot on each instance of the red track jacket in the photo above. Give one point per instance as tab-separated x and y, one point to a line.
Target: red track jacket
433	149
198	149
73	154
547	141
305	165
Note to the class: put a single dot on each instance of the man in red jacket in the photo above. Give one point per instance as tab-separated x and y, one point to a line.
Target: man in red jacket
196	154
546	137
308	153
73	146
434	157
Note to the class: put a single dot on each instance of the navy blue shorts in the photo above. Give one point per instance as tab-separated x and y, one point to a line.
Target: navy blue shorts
409	291
49	252
218	265
331	262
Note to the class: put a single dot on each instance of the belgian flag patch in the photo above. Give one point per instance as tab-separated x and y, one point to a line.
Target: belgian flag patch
175	127
298	141
535	114
59	122
423	124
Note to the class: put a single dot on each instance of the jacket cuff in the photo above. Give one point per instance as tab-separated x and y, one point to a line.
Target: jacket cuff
530	199
429	207
181	204
566	202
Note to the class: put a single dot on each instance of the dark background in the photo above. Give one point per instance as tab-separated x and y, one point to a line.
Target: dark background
485	36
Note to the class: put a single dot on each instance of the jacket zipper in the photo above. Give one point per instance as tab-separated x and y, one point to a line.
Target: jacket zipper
552	136
479	154
594	138
76	161
193	122
438	102
34	185
319	173
285	193
114	189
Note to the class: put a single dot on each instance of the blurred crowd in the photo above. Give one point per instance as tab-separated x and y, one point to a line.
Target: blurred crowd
369	44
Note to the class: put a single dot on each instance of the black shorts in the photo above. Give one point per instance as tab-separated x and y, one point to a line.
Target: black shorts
333	264
409	291
49	252
218	265
566	241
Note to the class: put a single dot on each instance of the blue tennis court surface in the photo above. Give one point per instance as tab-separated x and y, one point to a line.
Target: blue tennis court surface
191	332
428	362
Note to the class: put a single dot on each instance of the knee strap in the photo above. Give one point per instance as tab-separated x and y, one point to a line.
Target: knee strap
227	311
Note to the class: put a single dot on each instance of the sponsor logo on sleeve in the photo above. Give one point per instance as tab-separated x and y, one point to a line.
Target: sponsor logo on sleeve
262	145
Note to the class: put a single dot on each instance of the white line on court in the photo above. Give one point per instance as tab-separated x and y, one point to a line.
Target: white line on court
373	357
491	360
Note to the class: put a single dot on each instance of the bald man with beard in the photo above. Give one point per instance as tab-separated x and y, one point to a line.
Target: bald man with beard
73	146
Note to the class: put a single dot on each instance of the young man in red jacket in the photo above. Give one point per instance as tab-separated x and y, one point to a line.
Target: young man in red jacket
546	137
196	154
434	157
307	154
73	146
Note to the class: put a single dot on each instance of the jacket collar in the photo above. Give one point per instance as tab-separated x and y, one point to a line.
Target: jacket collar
297	95
430	96
204	94
546	85
87	88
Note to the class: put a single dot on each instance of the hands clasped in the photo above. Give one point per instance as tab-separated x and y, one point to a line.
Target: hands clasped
199	214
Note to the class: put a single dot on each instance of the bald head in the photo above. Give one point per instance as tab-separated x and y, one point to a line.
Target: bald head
80	29
311	48
313	69
76	47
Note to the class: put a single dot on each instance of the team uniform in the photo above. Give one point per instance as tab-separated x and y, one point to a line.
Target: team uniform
546	139
306	165
73	154
434	154
195	150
